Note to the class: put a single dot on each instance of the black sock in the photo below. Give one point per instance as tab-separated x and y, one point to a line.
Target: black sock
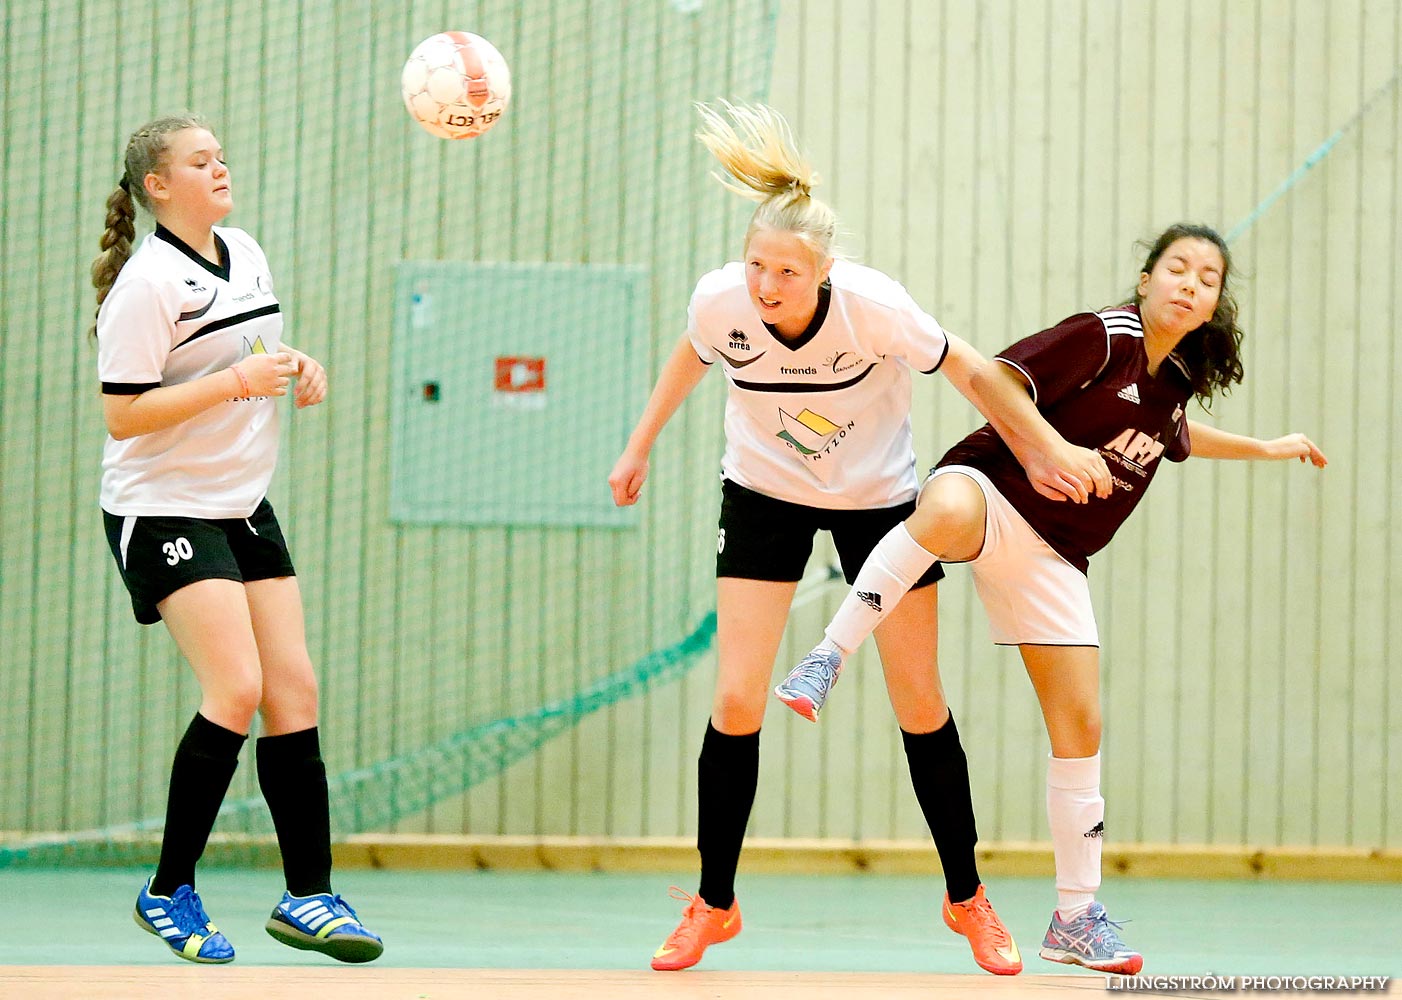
727	776
940	773
204	764
293	779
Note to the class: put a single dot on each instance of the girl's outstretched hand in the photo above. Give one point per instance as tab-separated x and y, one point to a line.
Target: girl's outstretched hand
1297	446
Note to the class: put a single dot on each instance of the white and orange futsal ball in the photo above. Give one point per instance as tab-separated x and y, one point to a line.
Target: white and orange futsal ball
456	84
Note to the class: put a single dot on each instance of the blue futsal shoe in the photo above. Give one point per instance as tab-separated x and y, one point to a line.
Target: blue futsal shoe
326	923
180	921
1090	940
808	684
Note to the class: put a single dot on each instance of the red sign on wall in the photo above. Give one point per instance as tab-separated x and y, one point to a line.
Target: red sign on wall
520	374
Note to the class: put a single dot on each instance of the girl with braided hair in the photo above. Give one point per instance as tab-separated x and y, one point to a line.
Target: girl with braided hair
191	361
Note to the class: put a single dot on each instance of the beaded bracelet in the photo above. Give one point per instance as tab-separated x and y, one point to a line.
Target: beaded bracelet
245	392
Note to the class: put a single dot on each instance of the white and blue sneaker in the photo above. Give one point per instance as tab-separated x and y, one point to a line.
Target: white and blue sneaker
180	921
807	686
326	923
1090	940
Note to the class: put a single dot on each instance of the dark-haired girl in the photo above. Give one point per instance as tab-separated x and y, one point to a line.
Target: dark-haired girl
1080	415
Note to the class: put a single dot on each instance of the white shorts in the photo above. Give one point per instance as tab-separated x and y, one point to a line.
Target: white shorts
1031	594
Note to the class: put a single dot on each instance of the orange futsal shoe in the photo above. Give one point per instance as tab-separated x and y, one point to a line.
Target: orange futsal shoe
702	926
994	948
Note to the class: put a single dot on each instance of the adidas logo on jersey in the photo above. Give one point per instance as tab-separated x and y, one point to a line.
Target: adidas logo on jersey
1130	392
870	598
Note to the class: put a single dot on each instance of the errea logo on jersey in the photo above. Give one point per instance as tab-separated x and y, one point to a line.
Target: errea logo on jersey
739	341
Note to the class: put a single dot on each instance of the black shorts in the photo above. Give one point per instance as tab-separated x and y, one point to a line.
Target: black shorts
159	555
762	538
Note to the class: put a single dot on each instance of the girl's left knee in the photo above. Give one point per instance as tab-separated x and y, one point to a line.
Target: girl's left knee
290	698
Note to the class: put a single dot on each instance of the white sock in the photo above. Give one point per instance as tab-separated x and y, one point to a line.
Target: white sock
893	567
1070	913
1076	813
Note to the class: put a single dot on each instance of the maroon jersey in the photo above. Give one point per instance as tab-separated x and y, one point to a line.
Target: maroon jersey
1090	379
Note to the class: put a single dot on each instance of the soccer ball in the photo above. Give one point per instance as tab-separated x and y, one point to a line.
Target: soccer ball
456	84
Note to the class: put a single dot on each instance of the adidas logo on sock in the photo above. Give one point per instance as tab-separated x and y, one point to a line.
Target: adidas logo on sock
1096	831
870	598
1130	392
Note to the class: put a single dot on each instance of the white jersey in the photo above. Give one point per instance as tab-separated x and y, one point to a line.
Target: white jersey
172	317
822	420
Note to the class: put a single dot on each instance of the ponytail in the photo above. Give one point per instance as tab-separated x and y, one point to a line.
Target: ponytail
757	150
146	153
115	243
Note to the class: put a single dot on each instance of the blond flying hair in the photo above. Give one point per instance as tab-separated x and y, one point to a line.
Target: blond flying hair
756	147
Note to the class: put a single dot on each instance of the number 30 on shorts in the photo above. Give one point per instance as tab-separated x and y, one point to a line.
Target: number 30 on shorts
178	550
